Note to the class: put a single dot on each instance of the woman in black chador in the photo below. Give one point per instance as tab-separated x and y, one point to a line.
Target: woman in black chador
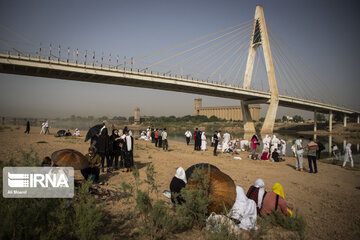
128	148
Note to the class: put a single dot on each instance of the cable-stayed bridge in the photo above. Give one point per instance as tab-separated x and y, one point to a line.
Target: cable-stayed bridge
220	64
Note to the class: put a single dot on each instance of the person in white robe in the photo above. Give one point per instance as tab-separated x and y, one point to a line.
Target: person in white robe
283	147
348	155
274	143
244	144
244	211
266	142
203	141
77	132
225	143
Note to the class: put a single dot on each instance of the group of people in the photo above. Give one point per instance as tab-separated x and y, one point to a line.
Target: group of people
67	133
112	148
45	128
247	207
272	148
159	137
199	139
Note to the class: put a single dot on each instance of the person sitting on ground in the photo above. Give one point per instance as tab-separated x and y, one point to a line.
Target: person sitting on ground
265	155
256	193
244	211
68	133
77	132
46	162
274	201
178	182
94	165
275	156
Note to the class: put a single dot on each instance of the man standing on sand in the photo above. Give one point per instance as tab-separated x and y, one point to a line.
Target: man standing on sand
216	142
299	153
195	142
188	136
164	140
27	127
47	127
160	137
311	148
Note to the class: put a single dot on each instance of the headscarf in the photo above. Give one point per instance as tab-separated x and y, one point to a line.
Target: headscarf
244	210
278	189
259	183
348	146
180	174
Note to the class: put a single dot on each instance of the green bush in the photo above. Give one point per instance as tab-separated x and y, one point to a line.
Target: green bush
295	224
44	218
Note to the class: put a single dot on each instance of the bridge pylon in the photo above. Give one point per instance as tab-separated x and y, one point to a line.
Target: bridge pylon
260	37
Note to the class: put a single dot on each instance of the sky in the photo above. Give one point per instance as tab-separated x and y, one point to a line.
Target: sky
322	33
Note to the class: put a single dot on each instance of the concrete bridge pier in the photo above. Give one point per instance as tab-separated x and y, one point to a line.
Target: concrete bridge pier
249	125
315	120
345	120
330	143
358	119
330	120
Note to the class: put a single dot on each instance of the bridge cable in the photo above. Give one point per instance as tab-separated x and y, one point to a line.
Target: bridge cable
204	51
191	41
191	49
222	54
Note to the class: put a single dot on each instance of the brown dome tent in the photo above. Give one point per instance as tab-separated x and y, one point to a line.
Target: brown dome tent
222	190
69	158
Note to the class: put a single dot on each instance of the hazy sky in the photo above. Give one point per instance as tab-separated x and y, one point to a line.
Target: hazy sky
322	33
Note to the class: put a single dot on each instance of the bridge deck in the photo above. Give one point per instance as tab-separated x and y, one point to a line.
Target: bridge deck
31	66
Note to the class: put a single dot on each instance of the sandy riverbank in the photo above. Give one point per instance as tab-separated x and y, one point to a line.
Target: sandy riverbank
329	201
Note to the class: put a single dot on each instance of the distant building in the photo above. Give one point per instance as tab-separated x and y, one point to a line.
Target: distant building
137	116
225	112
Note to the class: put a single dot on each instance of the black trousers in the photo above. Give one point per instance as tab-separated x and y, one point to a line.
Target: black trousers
187	140
160	142
115	156
215	147
156	142
129	159
108	160
312	159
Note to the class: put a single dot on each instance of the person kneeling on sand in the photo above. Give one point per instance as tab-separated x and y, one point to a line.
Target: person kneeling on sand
93	171
177	183
274	201
265	155
275	157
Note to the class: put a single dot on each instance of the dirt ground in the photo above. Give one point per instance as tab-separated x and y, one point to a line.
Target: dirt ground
329	201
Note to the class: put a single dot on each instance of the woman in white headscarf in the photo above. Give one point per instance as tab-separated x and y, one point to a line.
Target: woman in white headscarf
348	155
256	193
266	142
244	211
177	183
274	143
203	141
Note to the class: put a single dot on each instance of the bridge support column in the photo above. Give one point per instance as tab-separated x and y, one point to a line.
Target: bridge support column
315	120
268	126
249	126
345	120
358	119
330	120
